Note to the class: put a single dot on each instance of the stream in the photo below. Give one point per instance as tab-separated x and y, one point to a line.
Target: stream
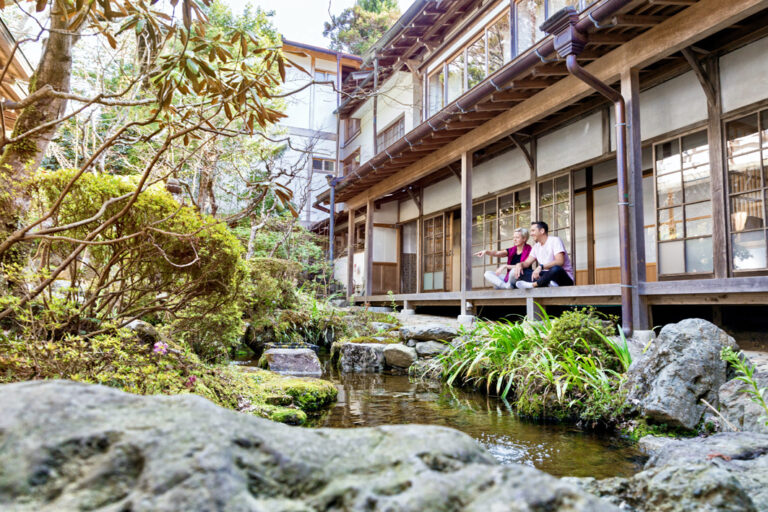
368	400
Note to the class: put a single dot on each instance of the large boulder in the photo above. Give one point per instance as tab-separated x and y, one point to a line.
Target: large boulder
362	357
431	348
399	355
293	361
724	472
71	446
427	332
737	406
682	368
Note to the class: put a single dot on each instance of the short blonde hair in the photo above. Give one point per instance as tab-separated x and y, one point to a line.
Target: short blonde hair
523	232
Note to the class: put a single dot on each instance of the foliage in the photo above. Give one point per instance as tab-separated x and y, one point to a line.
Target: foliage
547	370
587	330
358	27
746	374
637	429
272	286
139	268
120	360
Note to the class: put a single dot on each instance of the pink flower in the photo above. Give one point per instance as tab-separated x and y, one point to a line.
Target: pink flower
160	348
191	381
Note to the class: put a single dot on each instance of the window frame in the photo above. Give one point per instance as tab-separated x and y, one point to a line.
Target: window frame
349	137
755	110
323	162
657	209
553	228
494	262
399	120
422	264
346	162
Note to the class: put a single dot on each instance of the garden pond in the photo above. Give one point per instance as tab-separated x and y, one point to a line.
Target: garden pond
368	400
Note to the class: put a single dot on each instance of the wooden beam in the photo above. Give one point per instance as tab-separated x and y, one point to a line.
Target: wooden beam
695	23
701	75
466	229
527	154
496	106
716	181
630	90
590	227
633	20
511	95
463	125
368	255
456	172
350	253
530	84
608	38
672	2
414	197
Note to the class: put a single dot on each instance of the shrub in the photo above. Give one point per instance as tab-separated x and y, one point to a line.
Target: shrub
160	261
547	369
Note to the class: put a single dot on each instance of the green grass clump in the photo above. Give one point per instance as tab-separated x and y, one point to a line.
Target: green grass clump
565	368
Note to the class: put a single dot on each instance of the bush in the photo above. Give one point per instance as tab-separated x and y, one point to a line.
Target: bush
272	286
547	370
160	261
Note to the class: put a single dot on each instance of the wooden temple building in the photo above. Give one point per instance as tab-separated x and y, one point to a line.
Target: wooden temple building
637	129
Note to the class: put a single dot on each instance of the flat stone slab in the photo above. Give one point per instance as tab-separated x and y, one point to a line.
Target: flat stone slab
293	361
429	332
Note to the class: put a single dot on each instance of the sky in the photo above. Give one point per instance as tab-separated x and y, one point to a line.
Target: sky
302	20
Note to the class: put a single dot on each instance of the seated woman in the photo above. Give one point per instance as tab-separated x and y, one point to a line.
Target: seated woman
507	275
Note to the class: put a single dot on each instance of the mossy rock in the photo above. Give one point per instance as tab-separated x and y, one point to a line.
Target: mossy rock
384	340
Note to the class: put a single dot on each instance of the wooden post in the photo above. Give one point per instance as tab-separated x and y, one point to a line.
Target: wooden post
716	180
630	89
420	245
369	248
534	191
466	229
350	254
590	227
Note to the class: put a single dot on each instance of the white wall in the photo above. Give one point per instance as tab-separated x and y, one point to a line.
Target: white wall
441	195
575	143
744	75
408	210
499	173
674	104
386	213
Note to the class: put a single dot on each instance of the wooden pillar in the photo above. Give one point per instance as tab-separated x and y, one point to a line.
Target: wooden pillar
466	229
369	248
590	227
420	245
716	166
534	191
630	89
350	254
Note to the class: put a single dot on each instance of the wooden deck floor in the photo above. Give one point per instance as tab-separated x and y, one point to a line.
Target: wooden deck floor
737	290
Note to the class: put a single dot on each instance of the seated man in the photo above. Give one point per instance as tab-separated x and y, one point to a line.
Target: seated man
554	264
512	270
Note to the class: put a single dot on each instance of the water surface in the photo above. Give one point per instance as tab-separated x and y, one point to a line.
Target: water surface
367	400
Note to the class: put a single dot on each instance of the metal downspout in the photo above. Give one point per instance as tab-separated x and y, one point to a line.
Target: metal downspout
621	170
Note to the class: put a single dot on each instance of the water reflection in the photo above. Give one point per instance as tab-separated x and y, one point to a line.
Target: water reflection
376	399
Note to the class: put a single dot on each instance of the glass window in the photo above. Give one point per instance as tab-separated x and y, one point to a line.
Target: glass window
456	77
747	161
436	89
322	165
555	207
530	15
683	198
434	254
476	70
391	134
499	44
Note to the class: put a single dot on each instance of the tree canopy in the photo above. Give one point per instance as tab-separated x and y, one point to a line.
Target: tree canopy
358	27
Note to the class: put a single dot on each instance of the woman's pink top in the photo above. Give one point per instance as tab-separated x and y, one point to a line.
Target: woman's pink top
513	258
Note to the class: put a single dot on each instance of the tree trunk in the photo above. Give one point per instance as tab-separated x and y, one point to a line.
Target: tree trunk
21	159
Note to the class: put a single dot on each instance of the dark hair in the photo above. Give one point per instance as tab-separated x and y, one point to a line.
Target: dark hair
541	225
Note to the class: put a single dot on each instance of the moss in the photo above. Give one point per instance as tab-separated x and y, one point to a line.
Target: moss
639	428
368	339
289	416
306	394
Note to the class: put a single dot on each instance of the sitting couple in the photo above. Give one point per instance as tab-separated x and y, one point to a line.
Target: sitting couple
554	265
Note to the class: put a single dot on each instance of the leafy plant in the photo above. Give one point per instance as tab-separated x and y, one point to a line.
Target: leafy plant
746	374
545	369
